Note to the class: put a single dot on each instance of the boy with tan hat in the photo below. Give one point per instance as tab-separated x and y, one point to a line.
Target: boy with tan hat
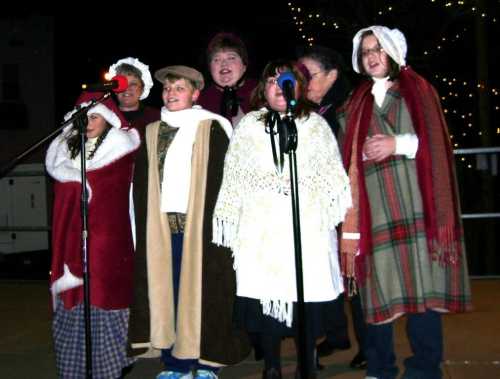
191	281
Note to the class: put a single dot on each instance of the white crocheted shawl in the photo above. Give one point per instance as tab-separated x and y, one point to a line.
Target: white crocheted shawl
253	214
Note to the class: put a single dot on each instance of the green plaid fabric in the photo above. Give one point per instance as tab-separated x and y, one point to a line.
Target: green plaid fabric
401	276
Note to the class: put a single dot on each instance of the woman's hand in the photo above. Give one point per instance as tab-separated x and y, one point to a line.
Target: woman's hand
379	147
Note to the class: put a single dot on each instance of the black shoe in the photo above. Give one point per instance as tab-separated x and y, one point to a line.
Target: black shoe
359	361
271	373
258	353
319	366
311	375
126	371
325	348
257	348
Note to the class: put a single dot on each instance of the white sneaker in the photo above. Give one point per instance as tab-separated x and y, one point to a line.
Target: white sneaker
371	377
174	375
205	374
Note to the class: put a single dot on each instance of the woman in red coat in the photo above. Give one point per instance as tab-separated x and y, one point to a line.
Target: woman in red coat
110	153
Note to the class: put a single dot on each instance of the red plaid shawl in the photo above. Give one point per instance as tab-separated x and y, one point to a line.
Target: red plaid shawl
442	223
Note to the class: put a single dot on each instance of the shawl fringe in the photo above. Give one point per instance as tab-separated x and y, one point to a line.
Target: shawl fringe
281	310
447	247
224	232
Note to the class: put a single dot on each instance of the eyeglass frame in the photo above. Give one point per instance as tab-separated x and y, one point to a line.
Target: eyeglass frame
272	80
314	74
377	50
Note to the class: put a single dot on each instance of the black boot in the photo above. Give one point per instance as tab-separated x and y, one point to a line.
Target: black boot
271	373
325	348
258	353
359	361
311	375
255	340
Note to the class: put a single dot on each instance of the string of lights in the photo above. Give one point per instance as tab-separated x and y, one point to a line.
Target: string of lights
459	97
439	47
304	21
466	5
460	112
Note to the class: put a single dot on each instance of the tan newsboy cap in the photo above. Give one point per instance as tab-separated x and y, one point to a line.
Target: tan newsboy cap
183	72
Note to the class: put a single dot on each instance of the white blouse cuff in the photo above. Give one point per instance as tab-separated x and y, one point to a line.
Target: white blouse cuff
406	144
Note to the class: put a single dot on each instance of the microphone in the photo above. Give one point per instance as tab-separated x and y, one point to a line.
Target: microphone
118	83
286	82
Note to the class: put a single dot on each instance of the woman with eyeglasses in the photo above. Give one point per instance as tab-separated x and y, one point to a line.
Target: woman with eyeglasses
253	217
402	242
328	87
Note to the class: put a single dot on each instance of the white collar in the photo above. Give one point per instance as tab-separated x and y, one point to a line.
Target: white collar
379	89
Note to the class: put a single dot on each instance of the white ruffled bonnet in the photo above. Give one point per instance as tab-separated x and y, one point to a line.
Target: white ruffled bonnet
144	69
392	41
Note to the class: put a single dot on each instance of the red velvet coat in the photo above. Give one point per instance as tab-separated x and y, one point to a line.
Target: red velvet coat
110	245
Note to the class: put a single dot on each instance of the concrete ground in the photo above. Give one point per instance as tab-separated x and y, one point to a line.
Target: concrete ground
472	340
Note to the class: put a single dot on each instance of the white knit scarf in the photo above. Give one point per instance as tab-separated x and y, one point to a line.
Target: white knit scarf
177	167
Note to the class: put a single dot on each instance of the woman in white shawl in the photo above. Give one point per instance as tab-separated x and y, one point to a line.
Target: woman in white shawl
253	217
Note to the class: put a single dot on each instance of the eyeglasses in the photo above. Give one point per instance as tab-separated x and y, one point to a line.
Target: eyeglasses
314	74
375	50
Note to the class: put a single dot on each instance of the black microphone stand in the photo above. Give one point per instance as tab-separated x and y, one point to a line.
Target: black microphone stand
288	144
80	120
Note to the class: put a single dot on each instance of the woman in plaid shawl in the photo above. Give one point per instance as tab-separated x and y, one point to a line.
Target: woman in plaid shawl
402	242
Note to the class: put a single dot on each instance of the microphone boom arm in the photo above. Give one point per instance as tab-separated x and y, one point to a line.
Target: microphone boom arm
6	168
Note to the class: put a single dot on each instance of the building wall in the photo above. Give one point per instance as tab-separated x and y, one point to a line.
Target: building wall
27	84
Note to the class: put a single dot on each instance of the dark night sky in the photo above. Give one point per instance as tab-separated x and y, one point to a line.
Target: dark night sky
176	35
87	44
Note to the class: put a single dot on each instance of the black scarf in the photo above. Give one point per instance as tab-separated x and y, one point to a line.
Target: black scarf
230	101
